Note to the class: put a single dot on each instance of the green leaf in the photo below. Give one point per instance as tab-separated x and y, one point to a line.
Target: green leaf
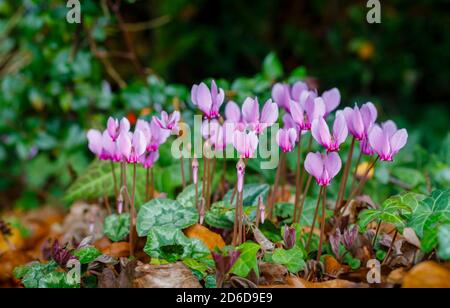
291	258
200	266
187	197
272	68
172	245
433	209
444	242
210	282
286	211
251	194
42	275
409	176
97	182
221	215
247	261
117	227
87	254
164	212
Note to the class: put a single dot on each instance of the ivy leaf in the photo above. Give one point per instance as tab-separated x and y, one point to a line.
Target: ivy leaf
247	261
444	242
164	212
433	209
221	215
172	245
117	227
393	210
252	192
87	254
272	68
291	258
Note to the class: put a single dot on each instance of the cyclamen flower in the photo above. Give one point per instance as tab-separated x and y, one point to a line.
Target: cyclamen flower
102	145
282	94
245	143
115	127
321	132
149	159
261	209
207	101
323	167
307	110
332	99
386	140
168	122
286	139
214	133
233	116
154	135
360	121
251	116
132	146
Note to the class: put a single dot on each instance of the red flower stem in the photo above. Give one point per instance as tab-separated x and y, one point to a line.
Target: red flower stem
113	170
147	184
355	192
343	184
210	179
183	177
305	193
322	224
275	187
376	233
314	220
298	186
133	214
356	170
390	247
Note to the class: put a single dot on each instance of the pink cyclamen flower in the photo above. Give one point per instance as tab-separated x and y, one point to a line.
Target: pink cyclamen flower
115	127
332	99
321	132
214	133
208	101
252	118
149	159
323	167
360	120
95	142
282	94
102	145
168	122
154	135
233	116
132	146
240	167
245	143
286	139
307	110
261	209
386	140
195	170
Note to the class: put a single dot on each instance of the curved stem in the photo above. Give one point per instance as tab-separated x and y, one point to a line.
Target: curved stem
322	224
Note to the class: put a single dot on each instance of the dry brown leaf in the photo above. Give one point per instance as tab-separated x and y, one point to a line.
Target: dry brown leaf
410	236
209	238
9	260
296	282
118	250
427	274
333	267
173	275
271	273
397	276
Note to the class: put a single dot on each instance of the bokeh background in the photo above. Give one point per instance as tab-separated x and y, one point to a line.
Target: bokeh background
133	58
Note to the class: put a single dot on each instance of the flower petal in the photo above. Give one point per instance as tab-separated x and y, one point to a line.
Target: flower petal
250	110
333	164
332	99
314	164
340	130
398	140
269	114
232	112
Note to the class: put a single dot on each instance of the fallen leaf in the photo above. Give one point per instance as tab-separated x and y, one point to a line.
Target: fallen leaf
296	282
271	273
410	236
397	276
333	267
118	250
427	274
209	238
173	275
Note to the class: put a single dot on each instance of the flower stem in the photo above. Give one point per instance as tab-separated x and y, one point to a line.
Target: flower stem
275	186
147	184
376	233
305	193
183	177
298	186
359	188
133	214
322	224
210	179
343	185
356	170
390	247
314	220
113	170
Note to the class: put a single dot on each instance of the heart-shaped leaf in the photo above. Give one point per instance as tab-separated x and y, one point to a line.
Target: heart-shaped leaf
247	260
117	227
252	192
291	258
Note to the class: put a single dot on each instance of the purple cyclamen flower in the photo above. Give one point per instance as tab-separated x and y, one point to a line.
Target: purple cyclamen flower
282	94
386	140
132	146
224	264
286	139
245	143
335	241
168	122
102	145
323	167
360	120
289	237
154	135
349	237
252	118
115	127
332	99
307	110
149	159
208	101
321	132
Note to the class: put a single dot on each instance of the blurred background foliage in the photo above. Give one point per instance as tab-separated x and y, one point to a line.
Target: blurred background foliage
58	79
